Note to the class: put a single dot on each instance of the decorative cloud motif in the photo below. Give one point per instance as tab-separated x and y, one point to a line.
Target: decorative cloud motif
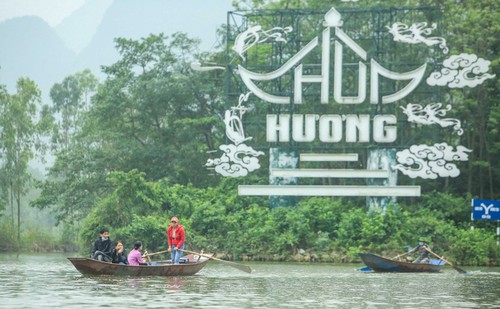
431	162
428	162
236	161
464	70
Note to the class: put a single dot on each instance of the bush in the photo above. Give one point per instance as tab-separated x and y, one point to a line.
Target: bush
8	236
218	220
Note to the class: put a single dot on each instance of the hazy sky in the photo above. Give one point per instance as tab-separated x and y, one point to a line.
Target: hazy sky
52	11
55	11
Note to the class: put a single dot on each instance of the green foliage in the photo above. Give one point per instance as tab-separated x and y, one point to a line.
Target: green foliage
7	236
150	109
70	99
218	221
77	176
452	207
130	156
474	247
23	123
148	229
36	239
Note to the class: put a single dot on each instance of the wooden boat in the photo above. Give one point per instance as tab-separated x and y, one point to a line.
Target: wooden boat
191	266
380	264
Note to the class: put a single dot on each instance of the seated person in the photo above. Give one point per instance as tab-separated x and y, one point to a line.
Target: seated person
135	256
119	254
423	254
103	247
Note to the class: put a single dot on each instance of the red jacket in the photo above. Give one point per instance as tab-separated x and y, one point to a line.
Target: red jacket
179	239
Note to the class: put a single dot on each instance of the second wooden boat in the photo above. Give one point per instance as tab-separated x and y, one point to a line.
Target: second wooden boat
381	264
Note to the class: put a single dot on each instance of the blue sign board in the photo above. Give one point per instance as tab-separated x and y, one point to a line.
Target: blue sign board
485	210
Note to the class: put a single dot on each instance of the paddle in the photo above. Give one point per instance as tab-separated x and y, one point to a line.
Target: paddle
399	255
452	265
146	254
241	267
156	253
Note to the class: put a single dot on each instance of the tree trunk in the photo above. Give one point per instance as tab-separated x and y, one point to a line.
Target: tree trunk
18	218
11	202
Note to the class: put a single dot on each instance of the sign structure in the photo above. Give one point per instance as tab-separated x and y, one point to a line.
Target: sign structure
338	112
485	210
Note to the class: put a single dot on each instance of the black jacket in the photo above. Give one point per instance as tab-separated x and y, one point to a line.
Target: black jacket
120	257
105	246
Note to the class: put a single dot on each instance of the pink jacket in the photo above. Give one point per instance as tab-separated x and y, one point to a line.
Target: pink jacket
135	258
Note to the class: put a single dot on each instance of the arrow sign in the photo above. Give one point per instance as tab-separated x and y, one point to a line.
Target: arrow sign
485	210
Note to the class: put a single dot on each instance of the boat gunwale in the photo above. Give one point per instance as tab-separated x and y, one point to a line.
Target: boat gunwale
88	266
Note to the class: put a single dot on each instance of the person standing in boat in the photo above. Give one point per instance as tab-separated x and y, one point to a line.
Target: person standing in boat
103	247
135	256
176	240
423	253
119	253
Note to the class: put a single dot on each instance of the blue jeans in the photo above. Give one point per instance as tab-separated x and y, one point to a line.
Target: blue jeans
176	254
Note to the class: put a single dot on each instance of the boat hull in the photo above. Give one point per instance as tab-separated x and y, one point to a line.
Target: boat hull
88	266
380	264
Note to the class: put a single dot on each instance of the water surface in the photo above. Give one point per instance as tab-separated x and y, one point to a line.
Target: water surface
51	281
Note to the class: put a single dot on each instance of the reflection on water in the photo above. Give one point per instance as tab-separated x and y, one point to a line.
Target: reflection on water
51	281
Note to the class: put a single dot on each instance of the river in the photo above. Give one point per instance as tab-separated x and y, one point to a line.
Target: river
51	281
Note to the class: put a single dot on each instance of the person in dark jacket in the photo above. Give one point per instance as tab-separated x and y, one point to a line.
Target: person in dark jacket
119	255
103	247
423	253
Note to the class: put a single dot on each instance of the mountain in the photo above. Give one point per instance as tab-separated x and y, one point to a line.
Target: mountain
135	19
78	29
29	47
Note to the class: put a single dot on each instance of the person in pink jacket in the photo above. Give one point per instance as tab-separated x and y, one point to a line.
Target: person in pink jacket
135	256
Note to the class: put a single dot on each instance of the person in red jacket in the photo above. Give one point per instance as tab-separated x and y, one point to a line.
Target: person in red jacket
176	240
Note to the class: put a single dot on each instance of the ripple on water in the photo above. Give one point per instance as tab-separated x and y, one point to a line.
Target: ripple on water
51	281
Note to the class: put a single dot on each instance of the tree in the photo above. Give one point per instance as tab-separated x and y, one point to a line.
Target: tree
67	187
143	141
151	114
4	183
154	113
70	100
478	106
21	136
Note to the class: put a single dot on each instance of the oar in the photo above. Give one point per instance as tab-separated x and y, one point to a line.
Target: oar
460	270
233	264
156	253
146	254
397	256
